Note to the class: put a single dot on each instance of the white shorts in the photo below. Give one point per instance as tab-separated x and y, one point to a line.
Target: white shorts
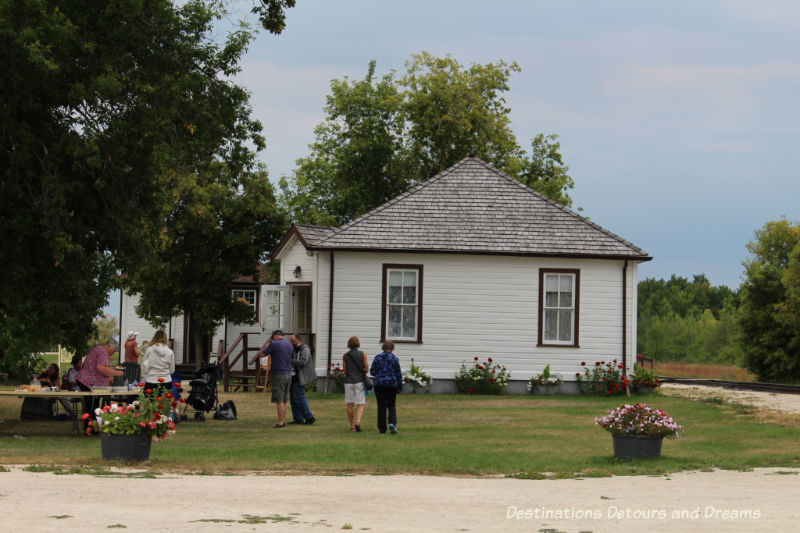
354	393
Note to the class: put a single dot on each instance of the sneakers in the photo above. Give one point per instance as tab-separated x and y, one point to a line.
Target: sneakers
392	429
358	428
310	421
278	426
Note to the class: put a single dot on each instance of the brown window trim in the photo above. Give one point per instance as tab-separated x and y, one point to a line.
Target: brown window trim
249	287
577	273
419	269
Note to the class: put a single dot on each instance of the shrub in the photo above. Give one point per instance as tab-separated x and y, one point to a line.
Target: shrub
417	376
603	379
337	374
644	377
544	379
482	378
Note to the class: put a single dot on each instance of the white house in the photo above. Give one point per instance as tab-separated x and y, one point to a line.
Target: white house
178	329
470	263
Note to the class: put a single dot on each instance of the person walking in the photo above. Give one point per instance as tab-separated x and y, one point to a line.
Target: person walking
355	368
304	373
281	352
388	380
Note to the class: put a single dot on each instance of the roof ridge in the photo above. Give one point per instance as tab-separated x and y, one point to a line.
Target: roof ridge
317	226
396	199
557	205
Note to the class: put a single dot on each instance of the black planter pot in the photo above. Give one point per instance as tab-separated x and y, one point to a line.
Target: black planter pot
127	447
637	446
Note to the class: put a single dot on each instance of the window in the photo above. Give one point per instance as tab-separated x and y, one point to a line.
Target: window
245	296
402	303
558	307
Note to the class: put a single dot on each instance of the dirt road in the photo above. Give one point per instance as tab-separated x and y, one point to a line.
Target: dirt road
762	500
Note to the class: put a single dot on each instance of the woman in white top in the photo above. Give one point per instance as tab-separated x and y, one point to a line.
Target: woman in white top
159	362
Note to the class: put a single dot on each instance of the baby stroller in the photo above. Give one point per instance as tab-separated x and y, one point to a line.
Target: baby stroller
203	395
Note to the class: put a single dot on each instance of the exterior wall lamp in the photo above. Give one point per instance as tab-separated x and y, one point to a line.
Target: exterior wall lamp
298	271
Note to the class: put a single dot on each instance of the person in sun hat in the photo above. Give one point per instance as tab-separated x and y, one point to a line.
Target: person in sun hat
131	350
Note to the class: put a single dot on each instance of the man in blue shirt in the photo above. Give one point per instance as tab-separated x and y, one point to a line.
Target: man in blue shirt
281	352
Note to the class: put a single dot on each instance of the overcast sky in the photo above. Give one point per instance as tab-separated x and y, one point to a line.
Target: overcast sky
679	120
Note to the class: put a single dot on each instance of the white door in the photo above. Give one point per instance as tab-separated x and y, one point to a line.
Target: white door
277	310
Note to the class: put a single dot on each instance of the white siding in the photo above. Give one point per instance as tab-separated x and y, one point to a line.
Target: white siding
175	331
476	306
130	321
294	255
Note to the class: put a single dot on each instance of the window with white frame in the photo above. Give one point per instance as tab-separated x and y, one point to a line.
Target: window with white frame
402	303
245	296
558	307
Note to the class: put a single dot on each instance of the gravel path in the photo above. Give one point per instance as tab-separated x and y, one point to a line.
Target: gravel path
785	403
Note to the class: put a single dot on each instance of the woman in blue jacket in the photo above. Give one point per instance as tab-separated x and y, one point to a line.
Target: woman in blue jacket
388	381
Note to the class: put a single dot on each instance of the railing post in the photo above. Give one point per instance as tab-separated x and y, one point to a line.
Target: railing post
226	375
244	363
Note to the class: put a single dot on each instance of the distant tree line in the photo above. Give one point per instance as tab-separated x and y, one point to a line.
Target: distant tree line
691	321
756	326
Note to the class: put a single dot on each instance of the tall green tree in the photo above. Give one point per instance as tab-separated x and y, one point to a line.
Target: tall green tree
214	232
455	112
102	107
382	136
358	158
770	310
544	169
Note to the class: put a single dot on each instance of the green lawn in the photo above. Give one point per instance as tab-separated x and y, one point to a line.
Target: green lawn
525	436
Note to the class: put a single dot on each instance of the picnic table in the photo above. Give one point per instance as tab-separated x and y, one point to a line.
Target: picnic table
70	400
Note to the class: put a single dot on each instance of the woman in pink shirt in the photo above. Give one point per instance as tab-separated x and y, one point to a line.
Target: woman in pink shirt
96	372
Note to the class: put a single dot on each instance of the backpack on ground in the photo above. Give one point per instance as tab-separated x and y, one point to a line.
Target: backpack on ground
226	411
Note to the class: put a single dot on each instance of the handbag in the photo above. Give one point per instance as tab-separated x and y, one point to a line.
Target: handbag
364	377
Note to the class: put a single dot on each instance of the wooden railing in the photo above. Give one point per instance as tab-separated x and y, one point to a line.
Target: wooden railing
228	360
642	360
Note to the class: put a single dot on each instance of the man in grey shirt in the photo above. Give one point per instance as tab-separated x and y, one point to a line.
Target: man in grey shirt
304	373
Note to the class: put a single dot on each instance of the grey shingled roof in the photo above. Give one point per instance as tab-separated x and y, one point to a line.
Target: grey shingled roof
313	235
474	208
